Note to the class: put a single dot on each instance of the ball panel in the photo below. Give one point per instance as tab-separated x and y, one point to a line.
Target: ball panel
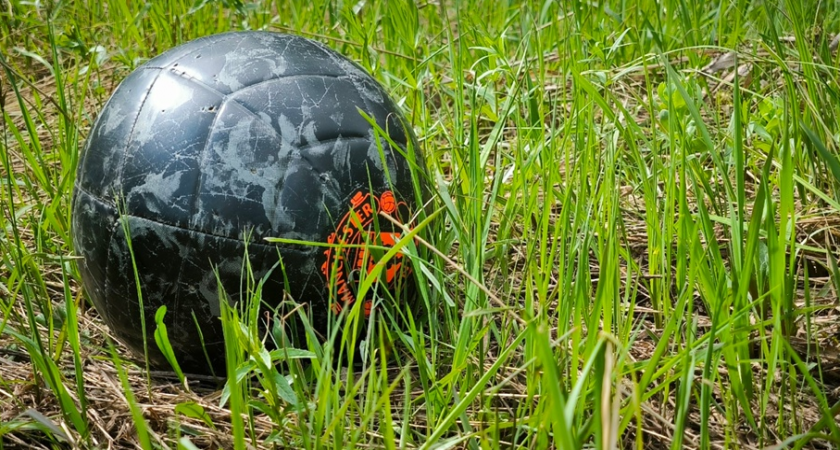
160	173
348	165
307	110
101	162
242	170
186	284
302	200
157	254
98	219
341	161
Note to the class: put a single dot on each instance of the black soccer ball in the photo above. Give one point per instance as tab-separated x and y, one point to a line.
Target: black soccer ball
216	145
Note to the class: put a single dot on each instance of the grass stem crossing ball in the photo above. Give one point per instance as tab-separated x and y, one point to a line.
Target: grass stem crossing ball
218	144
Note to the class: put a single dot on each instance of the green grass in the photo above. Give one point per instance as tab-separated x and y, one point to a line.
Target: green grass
632	247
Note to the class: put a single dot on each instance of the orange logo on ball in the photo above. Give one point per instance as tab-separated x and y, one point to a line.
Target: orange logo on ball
344	264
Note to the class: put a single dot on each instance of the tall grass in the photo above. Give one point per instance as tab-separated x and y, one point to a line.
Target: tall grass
631	241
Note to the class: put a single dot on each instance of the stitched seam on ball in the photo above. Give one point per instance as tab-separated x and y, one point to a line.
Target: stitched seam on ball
110	235
194	204
297	146
90	194
250	244
232	97
333	140
119	178
208	41
171	225
288	78
200	159
282	183
301	154
184	75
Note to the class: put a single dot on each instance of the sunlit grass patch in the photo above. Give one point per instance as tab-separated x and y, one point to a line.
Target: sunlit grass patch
636	211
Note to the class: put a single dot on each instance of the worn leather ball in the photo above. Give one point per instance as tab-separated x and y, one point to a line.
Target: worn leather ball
214	146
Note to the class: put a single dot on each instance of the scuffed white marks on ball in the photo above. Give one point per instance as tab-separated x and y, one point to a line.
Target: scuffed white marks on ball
277	59
369	91
239	152
337	117
277	215
161	233
347	66
239	63
209	288
263	115
112	119
364	83
341	153
288	135
160	188
319	150
307	131
310	109
115	248
374	155
84	210
171	95
238	172
107	161
330	190
199	240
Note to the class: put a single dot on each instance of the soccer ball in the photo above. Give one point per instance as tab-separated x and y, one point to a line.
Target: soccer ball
215	145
